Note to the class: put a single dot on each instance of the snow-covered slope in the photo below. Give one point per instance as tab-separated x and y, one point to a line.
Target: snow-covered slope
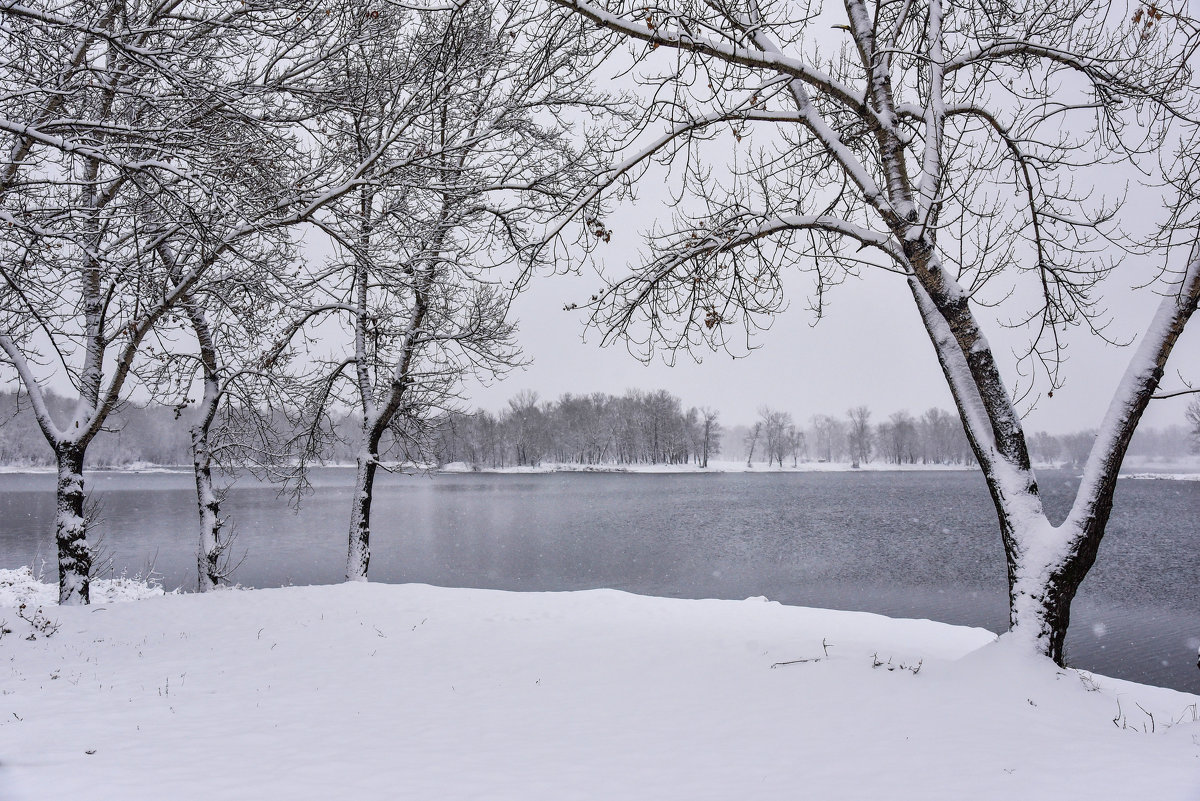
367	691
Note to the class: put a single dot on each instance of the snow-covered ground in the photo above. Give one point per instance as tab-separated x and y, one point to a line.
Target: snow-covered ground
367	691
20	586
135	467
1164	476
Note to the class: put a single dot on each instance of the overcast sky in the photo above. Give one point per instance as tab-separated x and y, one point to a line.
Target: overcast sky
870	349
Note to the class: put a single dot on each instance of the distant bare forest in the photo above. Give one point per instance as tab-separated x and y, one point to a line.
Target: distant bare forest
637	427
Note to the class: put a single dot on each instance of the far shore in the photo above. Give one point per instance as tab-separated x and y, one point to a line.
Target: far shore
1170	469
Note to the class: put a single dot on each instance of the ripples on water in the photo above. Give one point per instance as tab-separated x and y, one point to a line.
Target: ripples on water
912	544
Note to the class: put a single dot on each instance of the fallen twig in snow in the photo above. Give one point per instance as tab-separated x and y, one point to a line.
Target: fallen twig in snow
797	661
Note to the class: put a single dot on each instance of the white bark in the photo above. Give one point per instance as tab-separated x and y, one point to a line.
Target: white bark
211	548
209	572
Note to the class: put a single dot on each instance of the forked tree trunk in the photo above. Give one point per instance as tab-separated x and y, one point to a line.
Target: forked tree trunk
1046	563
70	528
1040	599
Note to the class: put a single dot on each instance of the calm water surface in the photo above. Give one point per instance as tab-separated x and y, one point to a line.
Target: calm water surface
912	544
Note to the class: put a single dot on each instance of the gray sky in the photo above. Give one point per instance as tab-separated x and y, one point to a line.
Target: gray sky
870	349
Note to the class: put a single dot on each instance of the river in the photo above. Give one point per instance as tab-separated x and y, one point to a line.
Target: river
900	543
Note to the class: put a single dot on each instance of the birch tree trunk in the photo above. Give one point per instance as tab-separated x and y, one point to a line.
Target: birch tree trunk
209	571
208	555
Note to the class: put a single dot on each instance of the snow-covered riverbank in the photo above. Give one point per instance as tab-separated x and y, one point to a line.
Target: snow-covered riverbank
691	467
1185	470
367	691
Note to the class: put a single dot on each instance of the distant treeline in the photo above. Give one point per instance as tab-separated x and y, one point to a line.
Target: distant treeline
634	428
598	429
937	437
655	427
151	435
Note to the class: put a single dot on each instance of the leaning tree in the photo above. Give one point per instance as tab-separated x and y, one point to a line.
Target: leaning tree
948	143
225	367
470	109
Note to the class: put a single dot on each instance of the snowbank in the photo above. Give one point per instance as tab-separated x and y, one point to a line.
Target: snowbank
1164	476
367	691
20	586
27	468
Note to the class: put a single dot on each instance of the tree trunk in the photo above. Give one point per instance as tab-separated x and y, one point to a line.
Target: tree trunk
70	529
209	571
358	557
1043	580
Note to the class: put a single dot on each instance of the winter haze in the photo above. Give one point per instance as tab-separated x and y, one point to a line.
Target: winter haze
546	400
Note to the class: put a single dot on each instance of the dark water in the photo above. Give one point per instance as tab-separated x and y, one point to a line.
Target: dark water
911	544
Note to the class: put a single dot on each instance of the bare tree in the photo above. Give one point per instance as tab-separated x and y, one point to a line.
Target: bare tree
899	436
526	428
942	438
775	427
241	420
1045	447
858	434
467	110
129	128
947	143
1193	419
751	441
638	427
711	443
797	443
827	436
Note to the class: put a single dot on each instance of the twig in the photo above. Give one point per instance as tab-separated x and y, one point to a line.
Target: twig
797	661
